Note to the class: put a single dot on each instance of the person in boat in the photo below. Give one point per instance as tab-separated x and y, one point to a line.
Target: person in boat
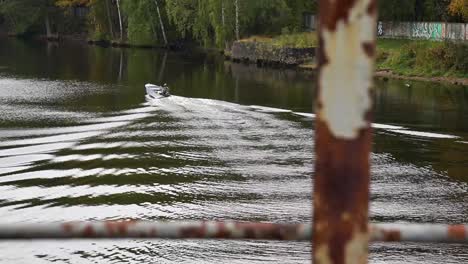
165	90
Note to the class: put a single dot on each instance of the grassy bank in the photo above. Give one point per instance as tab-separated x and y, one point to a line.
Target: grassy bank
296	40
402	57
423	58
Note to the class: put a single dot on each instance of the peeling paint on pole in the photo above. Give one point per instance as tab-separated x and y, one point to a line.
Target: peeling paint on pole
347	35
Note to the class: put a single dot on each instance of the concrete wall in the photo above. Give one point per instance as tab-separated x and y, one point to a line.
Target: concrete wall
423	30
310	22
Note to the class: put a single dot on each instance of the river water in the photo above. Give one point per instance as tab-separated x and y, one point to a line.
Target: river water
78	141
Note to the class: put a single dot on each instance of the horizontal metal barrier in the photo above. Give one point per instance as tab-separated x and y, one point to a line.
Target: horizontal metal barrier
223	230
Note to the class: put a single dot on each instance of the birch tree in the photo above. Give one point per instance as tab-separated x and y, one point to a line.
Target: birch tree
120	19
109	18
161	22
237	19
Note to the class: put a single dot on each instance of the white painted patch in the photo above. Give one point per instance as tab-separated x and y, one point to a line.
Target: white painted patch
347	78
322	255
356	249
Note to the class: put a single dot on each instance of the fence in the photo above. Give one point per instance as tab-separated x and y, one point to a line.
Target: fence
423	30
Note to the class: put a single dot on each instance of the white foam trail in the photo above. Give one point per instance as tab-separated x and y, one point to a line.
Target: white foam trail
44	174
146	109
184	103
424	134
23	160
59	130
310	115
44	148
13	169
51	139
130	117
384	126
269	109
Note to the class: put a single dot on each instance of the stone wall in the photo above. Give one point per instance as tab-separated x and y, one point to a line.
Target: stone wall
263	53
423	30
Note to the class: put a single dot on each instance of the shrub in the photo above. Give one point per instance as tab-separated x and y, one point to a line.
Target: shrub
425	58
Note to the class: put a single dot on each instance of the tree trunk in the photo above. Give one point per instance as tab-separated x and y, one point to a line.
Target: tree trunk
223	20
222	14
161	22
47	26
419	10
109	19
237	19
120	20
153	27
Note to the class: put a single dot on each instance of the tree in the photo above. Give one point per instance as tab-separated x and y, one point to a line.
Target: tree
120	19
436	10
161	22
397	10
70	3
23	15
459	8
101	19
237	20
182	14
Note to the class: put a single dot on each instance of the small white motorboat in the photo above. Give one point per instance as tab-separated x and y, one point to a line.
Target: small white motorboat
156	92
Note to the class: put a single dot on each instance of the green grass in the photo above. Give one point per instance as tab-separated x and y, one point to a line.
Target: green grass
296	40
405	57
423	58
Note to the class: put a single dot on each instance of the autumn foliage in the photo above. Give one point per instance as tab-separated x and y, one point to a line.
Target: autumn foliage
459	8
68	3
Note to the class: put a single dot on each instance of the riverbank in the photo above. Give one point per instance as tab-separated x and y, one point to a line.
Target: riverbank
424	59
420	60
388	74
397	59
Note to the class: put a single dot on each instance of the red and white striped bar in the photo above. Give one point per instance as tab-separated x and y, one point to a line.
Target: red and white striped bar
224	230
425	233
163	230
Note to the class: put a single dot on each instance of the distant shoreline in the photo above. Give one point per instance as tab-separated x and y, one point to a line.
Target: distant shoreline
380	73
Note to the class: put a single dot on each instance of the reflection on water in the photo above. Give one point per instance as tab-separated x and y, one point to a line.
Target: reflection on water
78	142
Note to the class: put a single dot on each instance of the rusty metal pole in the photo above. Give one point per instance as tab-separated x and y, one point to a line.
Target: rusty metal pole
343	132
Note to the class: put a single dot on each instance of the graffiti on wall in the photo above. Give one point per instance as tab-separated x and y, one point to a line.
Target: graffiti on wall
423	30
380	30
427	30
466	32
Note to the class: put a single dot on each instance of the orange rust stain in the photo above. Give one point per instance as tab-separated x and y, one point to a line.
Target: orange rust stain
153	232
369	49
222	231
118	228
372	8
335	11
457	232
392	235
89	231
194	232
67	227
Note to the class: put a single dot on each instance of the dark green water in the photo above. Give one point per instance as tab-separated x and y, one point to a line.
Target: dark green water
79	142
